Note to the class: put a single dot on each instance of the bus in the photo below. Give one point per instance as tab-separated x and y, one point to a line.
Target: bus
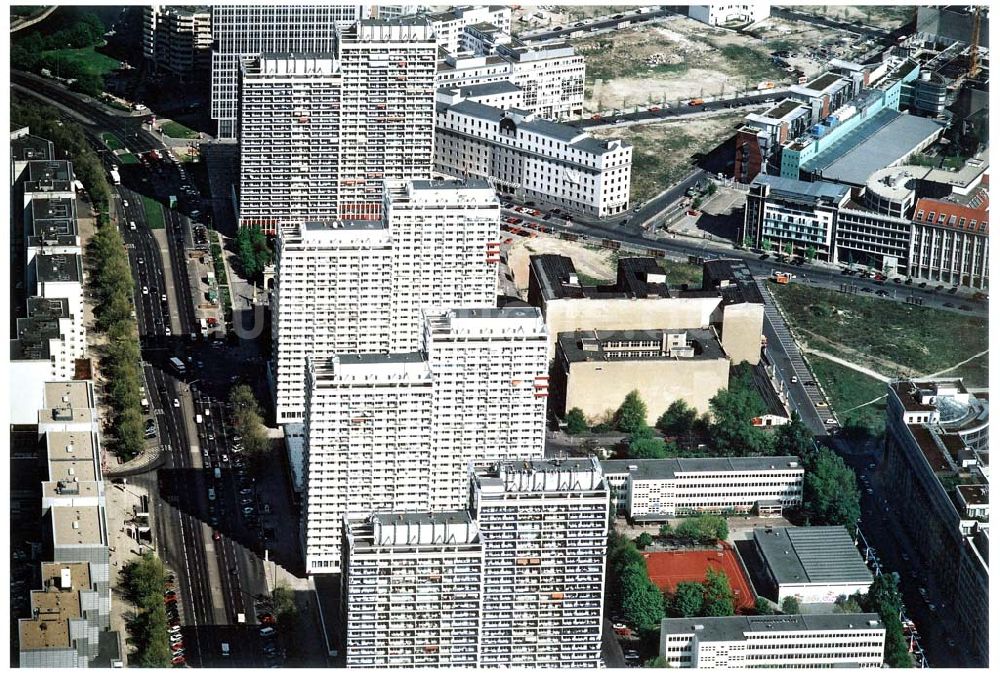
178	366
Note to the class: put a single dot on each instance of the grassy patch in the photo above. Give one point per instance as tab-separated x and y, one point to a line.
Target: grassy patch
753	64
154	213
681	273
846	389
922	339
111	141
127	158
587	280
177	130
664	153
88	59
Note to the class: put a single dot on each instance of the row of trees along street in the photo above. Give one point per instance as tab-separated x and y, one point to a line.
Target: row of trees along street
109	276
143	581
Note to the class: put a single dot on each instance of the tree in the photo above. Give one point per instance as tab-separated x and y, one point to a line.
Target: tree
642	601
688	599
765	244
790	605
794	438
788	249
657	662
810	253
883	597
678	419
831	495
647	448
718	594
576	422
665	530
706	529
847	604
762	606
631	415
643	541
732	431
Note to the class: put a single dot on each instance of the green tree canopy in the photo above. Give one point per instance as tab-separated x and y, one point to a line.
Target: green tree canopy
831	495
631	415
794	438
732	431
642	601
644	540
647	448
576	422
718	594
688	599
790	605
762	606
678	420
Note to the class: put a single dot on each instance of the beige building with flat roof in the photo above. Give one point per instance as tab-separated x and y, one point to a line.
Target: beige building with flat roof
595	370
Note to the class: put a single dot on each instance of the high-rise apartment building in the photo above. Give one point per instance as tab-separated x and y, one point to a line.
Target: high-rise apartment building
544	527
412	590
360	286
397	431
240	31
177	39
320	132
491	384
368	445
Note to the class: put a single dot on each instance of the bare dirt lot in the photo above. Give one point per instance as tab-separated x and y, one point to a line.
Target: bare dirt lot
889	17
669	61
663	153
556	15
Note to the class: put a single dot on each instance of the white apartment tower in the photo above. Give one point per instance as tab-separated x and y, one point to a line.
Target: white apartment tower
320	132
360	286
241	31
397	431
412	590
490	370
368	445
544	528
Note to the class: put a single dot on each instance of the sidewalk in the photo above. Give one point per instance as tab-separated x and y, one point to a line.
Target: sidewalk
843	362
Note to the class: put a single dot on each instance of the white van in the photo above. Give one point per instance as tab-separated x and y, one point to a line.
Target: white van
218	473
198	419
131	225
211	494
225	650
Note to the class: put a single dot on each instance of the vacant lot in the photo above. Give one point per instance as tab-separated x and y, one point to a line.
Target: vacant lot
591	262
88	59
663	153
846	389
670	61
885	16
884	335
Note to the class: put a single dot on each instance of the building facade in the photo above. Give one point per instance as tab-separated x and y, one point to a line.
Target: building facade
774	641
721	13
937	434
319	134
450	26
951	239
360	286
412	590
521	153
244	31
178	39
544	527
657	490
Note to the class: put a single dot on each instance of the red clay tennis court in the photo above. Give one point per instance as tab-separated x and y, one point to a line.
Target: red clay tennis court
667	569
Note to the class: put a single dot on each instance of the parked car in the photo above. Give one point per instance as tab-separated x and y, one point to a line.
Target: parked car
268	631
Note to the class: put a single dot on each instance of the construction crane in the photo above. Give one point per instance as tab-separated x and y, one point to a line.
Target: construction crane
974	48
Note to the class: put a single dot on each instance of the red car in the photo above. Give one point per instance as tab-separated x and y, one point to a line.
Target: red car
595	117
179	660
266	619
654	109
511	220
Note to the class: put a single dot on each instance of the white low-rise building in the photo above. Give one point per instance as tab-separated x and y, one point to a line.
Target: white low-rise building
814	564
450	26
519	152
657	490
773	641
721	13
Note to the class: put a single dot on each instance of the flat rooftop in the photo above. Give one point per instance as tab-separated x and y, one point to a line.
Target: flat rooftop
49	626
783	109
875	144
72	393
975	494
670	468
59	172
72	454
809	191
733	279
823	81
79	574
636	278
59	267
737	627
811	555
319	226
31	148
48	308
584	346
78	526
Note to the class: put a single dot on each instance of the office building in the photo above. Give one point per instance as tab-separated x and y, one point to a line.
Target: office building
640	299
774	641
657	490
177	39
389	12
396	432
595	370
412	590
243	31
320	133
533	158
937	437
722	13
26	147
359	286
813	564
550	72
950	242
491	387
762	135
543	526
450	26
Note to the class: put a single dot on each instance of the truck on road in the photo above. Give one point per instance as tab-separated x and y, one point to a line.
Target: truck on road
178	366
116	178
781	277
